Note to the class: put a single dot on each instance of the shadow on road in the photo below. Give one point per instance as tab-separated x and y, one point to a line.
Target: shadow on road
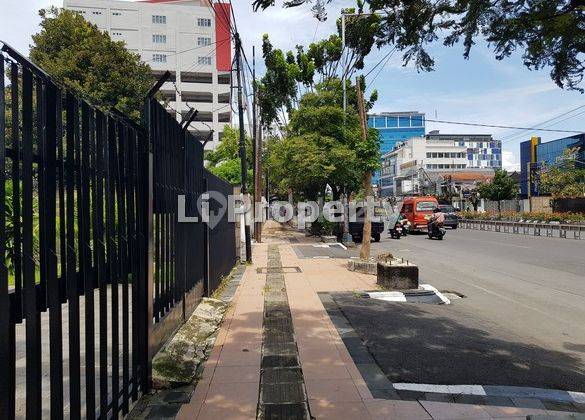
442	344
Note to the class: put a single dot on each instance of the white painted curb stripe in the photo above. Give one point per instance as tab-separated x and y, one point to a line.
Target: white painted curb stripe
496	391
441	296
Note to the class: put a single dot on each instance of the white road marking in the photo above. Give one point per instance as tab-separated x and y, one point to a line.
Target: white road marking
495	390
441	296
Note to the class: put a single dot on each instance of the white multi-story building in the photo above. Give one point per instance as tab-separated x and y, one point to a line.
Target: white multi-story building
189	38
421	164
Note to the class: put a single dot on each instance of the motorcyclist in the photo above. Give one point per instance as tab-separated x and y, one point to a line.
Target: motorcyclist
437	219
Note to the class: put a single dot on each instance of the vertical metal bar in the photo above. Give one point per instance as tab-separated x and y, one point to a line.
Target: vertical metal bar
124	259
62	204
145	212
132	177
158	206
100	260
32	315
72	143
16	218
53	136
83	201
112	255
6	393
41	130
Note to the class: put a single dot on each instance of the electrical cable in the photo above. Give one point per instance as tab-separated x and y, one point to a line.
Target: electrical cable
382	59
511	137
371	83
504	126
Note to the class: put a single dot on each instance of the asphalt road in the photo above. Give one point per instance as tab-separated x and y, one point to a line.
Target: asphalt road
526	293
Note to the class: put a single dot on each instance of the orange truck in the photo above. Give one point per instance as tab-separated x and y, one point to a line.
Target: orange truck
417	210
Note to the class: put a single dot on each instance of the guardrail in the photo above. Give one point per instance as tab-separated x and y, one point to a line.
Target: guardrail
565	231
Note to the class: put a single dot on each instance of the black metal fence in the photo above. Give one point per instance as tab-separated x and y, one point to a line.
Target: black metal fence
96	271
222	239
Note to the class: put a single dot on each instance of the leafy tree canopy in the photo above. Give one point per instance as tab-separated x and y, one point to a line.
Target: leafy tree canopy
79	55
224	161
564	180
549	33
323	147
501	187
286	72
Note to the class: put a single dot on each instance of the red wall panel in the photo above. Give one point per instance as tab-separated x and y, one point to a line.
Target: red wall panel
223	51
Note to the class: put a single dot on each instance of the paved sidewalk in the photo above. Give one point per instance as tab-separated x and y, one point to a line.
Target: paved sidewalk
229	388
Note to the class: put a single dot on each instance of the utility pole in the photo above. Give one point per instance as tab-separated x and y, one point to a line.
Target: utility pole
343	69
257	152
366	179
244	166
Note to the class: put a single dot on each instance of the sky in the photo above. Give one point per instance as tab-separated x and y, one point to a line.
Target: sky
479	90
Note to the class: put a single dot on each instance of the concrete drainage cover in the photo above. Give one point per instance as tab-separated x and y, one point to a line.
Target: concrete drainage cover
425	294
279	270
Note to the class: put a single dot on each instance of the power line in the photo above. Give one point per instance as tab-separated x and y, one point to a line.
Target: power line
505	126
181	52
389	56
382	59
515	136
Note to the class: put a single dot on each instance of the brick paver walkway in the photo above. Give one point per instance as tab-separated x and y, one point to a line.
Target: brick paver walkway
335	388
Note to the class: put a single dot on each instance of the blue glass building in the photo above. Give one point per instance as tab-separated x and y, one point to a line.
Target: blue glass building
395	127
533	154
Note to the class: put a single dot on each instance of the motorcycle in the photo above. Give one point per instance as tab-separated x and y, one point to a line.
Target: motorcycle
397	231
435	231
405	226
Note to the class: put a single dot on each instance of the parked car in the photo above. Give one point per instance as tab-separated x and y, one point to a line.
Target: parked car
451	217
416	208
356	228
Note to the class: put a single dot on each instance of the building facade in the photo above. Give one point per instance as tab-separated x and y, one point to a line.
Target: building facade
533	154
190	39
395	127
422	164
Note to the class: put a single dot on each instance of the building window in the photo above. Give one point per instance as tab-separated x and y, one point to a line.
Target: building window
204	22
159	39
117	33
159	19
204	60
429	155
159	58
116	13
96	13
203	41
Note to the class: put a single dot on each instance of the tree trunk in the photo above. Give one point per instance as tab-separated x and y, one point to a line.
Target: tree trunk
366	179
499	208
367	232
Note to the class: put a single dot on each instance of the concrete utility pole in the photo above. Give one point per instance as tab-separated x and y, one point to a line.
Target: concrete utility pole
243	164
367	177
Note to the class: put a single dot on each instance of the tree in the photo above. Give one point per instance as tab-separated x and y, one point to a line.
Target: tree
501	187
322	147
550	33
291	75
564	180
80	56
224	161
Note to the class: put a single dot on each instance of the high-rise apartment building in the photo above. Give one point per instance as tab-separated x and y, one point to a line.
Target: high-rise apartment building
428	158
189	38
395	127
